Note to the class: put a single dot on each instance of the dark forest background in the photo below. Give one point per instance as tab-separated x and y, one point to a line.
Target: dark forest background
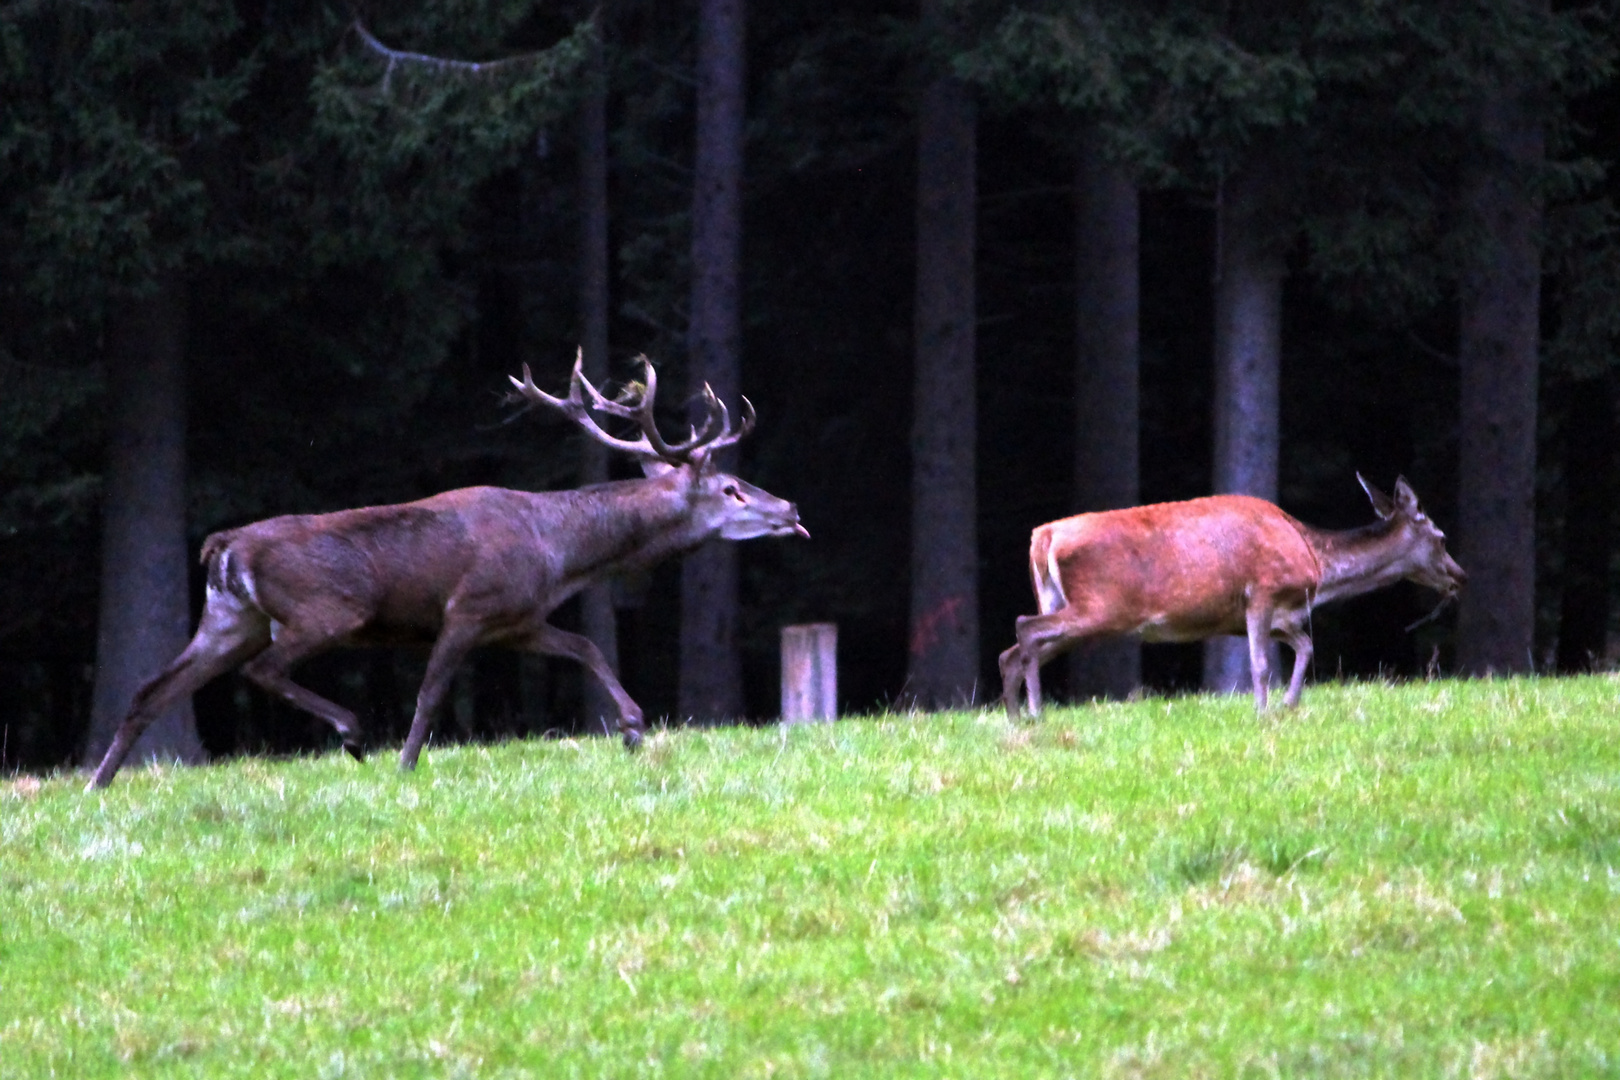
254	260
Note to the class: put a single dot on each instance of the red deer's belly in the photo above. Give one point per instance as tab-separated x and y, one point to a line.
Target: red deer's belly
1183	628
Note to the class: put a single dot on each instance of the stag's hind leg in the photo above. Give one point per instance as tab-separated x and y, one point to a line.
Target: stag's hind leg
271	670
230	631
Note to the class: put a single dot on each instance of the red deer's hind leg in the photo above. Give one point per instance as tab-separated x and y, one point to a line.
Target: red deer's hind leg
229	633
1012	679
1042	637
270	670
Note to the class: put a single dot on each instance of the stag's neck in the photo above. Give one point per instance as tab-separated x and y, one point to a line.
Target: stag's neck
1356	561
628	524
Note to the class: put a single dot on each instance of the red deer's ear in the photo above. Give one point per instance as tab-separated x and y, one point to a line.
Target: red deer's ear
651	466
1383	506
1406	498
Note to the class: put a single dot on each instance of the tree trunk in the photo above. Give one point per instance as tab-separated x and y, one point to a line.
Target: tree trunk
1500	298
944	646
1107	473
711	669
145	616
1249	271
1583	617
600	623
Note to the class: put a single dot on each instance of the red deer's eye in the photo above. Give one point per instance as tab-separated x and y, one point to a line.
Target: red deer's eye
731	489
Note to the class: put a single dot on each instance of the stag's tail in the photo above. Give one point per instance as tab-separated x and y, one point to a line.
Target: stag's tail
216	543
217	557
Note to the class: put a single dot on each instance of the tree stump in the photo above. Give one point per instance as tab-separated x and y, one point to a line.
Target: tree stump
809	672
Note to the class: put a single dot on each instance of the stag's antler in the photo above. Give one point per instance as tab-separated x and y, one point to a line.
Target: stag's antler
639	409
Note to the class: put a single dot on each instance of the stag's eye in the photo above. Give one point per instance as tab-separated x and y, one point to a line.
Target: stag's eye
731	490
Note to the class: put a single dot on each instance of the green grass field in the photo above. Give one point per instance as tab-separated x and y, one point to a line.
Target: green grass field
1416	880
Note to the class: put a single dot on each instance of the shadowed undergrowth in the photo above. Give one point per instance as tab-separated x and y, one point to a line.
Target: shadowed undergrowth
1409	880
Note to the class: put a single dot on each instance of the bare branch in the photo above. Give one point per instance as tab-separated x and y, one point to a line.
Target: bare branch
398	56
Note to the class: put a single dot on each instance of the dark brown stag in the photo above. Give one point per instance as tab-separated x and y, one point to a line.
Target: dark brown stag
477	566
1227	564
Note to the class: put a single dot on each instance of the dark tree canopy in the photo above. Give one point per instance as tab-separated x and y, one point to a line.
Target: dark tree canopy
373	229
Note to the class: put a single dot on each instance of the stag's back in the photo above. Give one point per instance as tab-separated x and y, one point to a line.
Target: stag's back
1172	571
392	565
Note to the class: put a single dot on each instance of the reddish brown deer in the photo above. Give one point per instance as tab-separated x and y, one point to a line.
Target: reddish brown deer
477	566
1227	564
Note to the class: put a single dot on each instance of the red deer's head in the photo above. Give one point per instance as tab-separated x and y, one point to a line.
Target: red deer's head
1425	559
721	504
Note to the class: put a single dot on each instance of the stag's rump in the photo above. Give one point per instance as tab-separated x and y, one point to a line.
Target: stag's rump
1172	571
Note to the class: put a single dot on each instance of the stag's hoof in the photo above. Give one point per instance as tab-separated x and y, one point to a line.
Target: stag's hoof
356	751
632	740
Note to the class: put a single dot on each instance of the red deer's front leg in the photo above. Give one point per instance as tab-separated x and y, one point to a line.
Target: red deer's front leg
455	641
551	641
1258	618
1290	627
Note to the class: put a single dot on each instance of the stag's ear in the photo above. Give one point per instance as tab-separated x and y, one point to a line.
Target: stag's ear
1383	506
652	466
1406	499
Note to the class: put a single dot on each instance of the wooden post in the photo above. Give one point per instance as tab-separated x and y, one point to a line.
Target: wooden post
809	672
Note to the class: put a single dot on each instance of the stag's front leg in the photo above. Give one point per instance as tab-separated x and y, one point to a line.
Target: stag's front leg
455	642
554	642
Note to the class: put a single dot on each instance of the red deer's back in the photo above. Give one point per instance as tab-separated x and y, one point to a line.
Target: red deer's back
1173	571
395	566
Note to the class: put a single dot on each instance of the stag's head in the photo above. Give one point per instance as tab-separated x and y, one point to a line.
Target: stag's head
1427	561
721	504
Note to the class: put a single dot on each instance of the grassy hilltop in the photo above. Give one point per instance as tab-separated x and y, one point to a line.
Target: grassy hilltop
1414	880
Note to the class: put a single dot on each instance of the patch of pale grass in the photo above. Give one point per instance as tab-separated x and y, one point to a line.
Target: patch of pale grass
1391	880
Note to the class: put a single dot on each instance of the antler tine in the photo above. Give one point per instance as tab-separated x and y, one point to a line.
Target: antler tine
652	442
526	388
643	414
731	438
602	403
573	407
699	437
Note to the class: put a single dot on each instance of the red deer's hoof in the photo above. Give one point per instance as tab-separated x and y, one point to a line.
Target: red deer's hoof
355	750
632	740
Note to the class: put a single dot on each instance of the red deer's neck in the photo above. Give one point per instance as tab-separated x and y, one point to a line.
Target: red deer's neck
631	522
1356	561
